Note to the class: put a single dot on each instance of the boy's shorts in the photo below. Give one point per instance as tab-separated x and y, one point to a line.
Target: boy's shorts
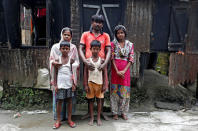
94	91
64	93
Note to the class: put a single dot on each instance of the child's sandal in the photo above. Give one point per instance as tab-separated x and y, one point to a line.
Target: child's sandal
124	117
72	124
115	117
56	125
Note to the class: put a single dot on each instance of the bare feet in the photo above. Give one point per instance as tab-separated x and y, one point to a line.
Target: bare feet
85	116
124	117
99	122
115	117
91	122
106	118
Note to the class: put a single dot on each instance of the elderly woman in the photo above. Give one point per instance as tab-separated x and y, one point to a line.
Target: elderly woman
122	59
66	35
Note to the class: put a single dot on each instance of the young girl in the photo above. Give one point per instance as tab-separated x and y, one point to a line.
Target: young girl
64	85
66	35
122	58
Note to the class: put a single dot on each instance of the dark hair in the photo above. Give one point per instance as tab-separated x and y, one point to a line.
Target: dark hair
97	18
65	43
119	27
95	43
67	29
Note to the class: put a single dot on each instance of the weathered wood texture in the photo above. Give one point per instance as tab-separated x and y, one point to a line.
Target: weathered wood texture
75	21
182	68
192	42
20	66
138	21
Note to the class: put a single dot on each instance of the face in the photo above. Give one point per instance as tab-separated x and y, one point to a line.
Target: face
97	25
95	50
120	35
67	36
64	50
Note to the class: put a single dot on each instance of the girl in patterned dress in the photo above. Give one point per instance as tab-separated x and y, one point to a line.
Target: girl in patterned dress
122	59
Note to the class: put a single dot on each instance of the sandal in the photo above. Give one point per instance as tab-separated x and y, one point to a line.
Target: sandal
115	117
56	125
124	117
72	124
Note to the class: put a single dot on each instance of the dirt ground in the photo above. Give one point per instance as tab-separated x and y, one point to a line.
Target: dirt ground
161	120
145	117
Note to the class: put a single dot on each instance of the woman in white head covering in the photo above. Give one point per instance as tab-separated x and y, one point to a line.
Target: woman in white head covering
66	35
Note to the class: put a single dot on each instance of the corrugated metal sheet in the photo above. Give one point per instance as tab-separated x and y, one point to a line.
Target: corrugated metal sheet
138	21
192	43
182	68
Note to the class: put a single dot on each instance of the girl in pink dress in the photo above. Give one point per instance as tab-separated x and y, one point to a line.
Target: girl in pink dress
122	59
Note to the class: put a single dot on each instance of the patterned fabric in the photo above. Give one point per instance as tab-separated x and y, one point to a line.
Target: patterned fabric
88	37
120	88
121	62
125	53
121	91
64	106
64	93
119	105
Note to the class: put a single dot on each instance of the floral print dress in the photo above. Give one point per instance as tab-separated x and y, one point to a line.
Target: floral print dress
120	88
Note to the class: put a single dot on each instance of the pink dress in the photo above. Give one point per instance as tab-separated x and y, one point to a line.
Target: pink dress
121	61
120	88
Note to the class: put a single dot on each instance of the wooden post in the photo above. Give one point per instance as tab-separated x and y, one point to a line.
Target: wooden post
197	87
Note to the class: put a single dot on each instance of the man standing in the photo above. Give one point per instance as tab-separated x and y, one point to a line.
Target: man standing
95	33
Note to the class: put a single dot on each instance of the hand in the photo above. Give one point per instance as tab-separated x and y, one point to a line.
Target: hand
101	67
121	74
56	64
72	61
103	88
56	88
73	87
180	53
86	89
89	65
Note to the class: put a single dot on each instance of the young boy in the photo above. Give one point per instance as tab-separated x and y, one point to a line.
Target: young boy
94	86
64	86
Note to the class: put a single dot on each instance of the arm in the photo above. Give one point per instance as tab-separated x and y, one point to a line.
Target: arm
117	71
108	51
82	56
105	82
74	64
52	63
55	79
86	79
126	68
81	53
108	56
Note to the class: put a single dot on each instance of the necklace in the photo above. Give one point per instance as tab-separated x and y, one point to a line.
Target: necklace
122	51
